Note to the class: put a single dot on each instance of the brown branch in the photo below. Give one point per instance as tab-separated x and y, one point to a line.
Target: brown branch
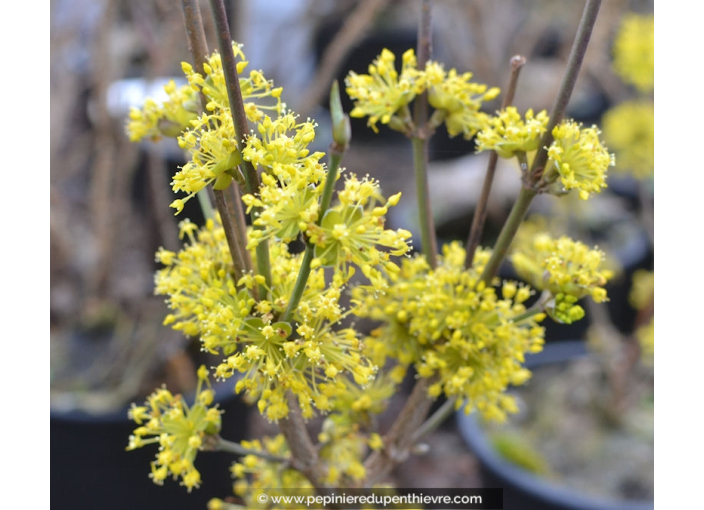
228	207
304	455
239	118
399	440
574	64
479	218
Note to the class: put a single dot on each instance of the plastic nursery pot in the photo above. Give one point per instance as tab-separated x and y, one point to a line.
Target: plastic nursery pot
524	490
91	469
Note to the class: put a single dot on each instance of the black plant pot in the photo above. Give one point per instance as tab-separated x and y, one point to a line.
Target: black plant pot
522	489
90	468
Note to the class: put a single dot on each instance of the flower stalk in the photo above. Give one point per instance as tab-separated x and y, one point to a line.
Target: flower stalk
217	443
341	138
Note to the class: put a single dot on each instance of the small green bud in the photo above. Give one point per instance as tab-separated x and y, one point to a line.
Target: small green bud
341	129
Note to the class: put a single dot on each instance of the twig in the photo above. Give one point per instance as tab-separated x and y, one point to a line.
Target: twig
349	35
223	445
399	440
420	141
304	455
234	93
437	419
225	202
579	48
479	218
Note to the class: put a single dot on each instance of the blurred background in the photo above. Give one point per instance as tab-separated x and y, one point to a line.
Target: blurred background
110	197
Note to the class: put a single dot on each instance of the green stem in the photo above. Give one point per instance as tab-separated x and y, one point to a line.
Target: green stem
326	199
224	445
515	218
205	204
435	420
427	228
304	272
301	282
420	140
537	308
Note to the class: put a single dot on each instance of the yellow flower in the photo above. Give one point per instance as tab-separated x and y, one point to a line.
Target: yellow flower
579	158
455	328
646	339
214	156
629	128
169	118
178	429
282	148
458	99
353	230
634	58
643	289
208	300
566	268
507	133
254	474
382	92
258	93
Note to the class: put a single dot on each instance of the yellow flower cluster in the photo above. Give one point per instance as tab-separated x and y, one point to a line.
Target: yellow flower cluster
289	195
342	448
210	139
568	269
454	328
177	428
214	156
169	118
634	57
207	299
282	148
629	128
507	133
579	158
646	339
254	473
258	93
643	289
383	95
353	232
458	99
382	92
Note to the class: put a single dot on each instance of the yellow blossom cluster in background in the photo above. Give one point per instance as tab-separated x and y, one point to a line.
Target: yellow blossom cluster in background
634	55
154	120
